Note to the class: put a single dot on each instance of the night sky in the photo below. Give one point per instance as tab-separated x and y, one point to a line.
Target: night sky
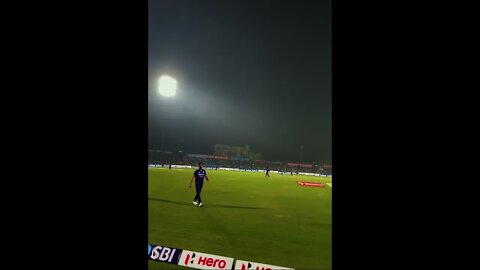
252	73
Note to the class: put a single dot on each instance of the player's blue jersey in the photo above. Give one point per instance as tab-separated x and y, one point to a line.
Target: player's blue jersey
200	174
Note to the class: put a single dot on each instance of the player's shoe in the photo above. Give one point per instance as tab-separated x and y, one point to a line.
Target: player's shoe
200	204
194	202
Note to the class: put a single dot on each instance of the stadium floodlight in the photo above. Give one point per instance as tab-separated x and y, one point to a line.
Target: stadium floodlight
167	86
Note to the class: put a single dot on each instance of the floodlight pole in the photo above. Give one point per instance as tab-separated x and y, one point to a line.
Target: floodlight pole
163	131
163	138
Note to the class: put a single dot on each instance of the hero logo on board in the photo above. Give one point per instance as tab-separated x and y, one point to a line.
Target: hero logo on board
200	260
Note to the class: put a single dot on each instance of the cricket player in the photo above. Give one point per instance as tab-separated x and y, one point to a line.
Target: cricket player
198	175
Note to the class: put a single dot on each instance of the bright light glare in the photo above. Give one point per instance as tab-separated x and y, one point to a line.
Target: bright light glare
167	86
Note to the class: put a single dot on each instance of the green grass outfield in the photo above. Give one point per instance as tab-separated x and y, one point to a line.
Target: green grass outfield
245	216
